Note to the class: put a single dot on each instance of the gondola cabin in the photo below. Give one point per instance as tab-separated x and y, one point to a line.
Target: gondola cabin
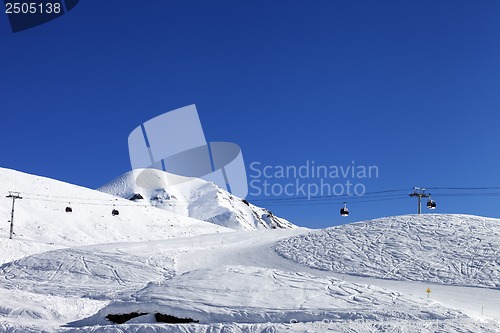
69	210
431	204
115	212
344	211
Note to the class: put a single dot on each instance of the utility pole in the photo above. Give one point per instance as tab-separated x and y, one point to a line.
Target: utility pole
14	196
419	193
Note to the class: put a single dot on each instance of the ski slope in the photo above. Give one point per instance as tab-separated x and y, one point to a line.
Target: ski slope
446	249
229	283
246	294
66	272
86	272
41	223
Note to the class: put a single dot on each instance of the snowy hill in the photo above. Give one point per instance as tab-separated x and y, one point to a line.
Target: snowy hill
195	198
226	282
90	271
41	222
447	249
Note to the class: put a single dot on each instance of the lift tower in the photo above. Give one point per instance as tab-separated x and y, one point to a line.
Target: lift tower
419	193
14	196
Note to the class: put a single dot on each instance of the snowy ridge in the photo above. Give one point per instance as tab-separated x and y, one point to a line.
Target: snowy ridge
193	197
446	249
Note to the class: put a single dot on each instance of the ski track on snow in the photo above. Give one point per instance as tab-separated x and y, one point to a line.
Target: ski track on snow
446	249
64	271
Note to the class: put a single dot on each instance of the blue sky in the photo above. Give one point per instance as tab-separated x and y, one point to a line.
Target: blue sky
411	87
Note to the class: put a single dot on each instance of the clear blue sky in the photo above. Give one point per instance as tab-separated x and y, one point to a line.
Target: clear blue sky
411	87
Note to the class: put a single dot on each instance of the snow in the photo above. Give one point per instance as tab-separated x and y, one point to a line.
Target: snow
193	197
458	326
41	221
85	272
445	249
65	272
22	311
12	249
245	294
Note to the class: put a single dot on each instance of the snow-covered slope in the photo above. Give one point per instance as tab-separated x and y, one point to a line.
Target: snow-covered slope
230	282
243	294
75	269
446	249
41	222
98	272
195	198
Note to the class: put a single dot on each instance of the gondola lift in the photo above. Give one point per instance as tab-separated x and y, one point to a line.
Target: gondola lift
344	211
431	204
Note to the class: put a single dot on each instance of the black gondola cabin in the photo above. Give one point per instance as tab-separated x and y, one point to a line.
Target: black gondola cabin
344	211
431	204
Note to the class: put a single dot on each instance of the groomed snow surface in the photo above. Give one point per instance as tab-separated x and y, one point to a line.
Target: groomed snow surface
67	272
